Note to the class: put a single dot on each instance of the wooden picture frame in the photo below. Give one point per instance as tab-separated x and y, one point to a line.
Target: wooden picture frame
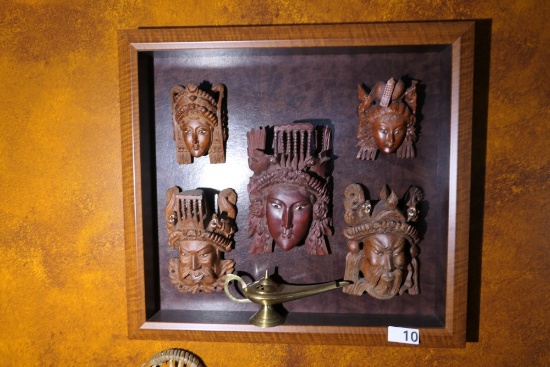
151	59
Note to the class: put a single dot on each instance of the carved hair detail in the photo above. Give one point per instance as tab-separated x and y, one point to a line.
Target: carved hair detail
191	101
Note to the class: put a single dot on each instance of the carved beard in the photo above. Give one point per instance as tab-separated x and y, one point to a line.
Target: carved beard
212	278
382	284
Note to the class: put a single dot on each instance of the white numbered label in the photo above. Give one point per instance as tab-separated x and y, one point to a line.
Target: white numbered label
403	335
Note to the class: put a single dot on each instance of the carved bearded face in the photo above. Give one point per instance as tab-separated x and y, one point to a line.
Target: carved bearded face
198	263
288	213
383	264
388	132
197	136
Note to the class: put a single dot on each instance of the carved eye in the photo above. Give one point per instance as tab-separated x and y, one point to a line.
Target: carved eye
397	132
384	131
205	255
275	205
187	131
377	252
202	131
301	207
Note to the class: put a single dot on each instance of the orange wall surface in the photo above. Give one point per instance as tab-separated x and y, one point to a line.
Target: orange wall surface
62	269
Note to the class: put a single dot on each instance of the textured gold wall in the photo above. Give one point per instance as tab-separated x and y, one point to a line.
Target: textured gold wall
62	276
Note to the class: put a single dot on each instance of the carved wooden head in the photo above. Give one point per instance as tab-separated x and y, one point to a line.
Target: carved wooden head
200	237
199	123
387	118
382	244
290	189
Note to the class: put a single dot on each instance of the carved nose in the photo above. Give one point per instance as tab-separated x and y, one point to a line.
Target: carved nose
390	139
387	263
287	219
195	263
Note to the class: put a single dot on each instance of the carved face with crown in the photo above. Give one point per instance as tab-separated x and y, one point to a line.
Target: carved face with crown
387	117
199	123
289	191
200	266
385	236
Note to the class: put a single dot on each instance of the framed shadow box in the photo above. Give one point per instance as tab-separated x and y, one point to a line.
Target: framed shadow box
280	75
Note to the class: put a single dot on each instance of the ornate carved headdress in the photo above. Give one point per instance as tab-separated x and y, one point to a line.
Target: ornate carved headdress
386	217
385	99
188	218
191	102
300	157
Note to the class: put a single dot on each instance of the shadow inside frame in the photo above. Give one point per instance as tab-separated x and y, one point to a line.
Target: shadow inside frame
482	60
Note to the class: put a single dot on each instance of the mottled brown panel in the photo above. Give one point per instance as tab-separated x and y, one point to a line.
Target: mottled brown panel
269	87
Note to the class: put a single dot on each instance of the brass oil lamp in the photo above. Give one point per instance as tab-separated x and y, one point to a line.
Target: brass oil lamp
268	293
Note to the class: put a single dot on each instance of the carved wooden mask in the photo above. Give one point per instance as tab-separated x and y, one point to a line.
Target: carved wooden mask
382	245
199	121
290	189
201	238
387	120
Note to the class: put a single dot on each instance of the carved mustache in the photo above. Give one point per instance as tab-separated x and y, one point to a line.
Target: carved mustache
198	275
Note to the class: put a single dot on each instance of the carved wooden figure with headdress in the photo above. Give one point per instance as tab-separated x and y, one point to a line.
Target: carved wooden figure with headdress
201	236
388	257
199	121
290	189
387	120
